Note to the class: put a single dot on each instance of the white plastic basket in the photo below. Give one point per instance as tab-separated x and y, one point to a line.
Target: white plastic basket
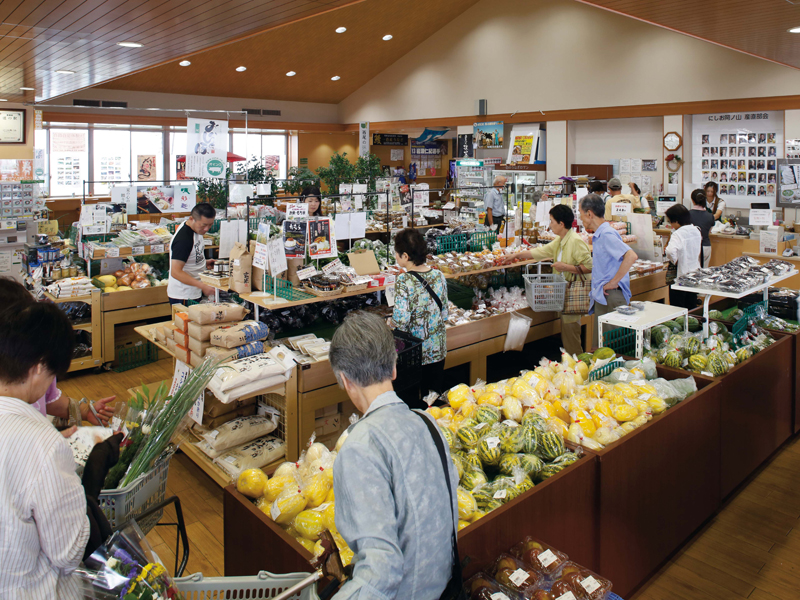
124	504
545	293
262	586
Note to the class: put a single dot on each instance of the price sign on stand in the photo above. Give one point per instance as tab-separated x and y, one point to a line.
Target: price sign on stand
297	211
303	274
620	208
137	250
332	267
157	249
760	217
260	256
277	257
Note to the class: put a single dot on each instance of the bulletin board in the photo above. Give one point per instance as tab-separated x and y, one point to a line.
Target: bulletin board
788	190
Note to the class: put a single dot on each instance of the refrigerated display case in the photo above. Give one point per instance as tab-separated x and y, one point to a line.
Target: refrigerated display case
522	184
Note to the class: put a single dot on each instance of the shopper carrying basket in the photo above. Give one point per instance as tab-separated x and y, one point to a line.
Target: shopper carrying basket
572	257
420	309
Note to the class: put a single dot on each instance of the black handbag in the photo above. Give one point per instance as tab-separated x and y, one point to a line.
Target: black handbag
455	587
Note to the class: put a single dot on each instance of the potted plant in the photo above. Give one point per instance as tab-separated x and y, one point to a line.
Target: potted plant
299	178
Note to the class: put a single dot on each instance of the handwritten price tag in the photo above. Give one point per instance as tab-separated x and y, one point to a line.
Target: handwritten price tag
304	274
620	208
138	250
157	249
332	267
112	252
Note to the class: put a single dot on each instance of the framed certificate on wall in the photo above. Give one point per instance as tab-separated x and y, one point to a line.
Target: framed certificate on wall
12	126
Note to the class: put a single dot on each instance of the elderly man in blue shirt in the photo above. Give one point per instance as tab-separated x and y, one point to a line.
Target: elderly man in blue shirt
392	500
495	203
612	259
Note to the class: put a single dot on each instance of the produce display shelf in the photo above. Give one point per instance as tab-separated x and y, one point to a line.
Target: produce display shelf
521	263
262	299
220	477
82	326
95	327
709	293
52	298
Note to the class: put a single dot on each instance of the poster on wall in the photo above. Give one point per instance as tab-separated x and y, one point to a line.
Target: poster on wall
389	139
521	149
146	167
111	168
294	238
272	162
321	239
464	146
154	199
206	148
488	135
740	152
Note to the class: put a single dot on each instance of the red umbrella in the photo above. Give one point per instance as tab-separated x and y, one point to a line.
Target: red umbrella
231	158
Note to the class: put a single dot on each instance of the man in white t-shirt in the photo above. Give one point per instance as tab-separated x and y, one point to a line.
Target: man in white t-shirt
187	257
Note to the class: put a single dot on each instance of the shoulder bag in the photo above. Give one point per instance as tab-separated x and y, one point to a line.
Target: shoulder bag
427	286
578	296
455	587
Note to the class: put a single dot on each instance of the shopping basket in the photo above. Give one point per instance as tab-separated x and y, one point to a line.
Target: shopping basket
262	586
124	504
545	292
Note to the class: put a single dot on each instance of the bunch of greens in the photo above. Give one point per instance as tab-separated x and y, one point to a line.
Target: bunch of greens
163	421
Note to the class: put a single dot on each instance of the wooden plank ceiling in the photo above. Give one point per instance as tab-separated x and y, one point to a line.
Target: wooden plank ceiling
40	37
757	27
312	49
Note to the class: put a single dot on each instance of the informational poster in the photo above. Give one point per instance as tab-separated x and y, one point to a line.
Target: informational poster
649	164
740	152
488	135
521	148
122	194
397	154
154	199
277	256
359	189
363	138
294	238
206	148
111	169
184	197
321	239
272	162
12	126
146	169
67	141
465	147
421	194
297	210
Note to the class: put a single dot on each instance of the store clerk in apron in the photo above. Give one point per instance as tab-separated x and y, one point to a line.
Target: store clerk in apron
187	256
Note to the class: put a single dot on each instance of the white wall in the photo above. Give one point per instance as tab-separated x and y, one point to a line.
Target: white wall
304	112
521	54
601	141
557	149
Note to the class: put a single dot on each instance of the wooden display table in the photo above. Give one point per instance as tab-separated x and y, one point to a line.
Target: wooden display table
724	248
129	307
791	283
94	327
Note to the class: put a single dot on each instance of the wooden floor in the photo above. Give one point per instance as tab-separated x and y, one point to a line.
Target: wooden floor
751	549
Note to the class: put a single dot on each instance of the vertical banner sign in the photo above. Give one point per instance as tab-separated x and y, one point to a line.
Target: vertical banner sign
465	148
37	120
363	139
206	148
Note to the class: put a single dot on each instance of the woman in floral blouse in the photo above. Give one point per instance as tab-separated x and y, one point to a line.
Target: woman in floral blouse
420	309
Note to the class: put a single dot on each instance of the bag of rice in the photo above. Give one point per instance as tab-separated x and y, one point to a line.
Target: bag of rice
240	431
218	421
212	312
214	408
203	333
198	347
240	334
250	369
253	455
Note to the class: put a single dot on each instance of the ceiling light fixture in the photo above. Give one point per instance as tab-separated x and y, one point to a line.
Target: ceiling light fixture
65	72
28	89
184	63
386	38
241	69
129	44
291	74
341	29
794	30
3	100
335	78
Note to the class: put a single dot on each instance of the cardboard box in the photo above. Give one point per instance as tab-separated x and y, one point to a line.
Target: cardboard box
241	269
181	338
181	321
328	411
381	280
364	262
328	425
198	347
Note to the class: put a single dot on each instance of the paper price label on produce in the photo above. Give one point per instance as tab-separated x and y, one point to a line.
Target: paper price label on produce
157	249
499	494
297	211
480	426
509	423
620	208
492	442
519	577
625	318
590	584
332	267
137	250
623	376
499	596
112	252
304	274
275	511
196	412
760	216
547	558
567	596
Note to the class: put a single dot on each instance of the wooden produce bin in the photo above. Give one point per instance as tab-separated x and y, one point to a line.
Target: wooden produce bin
128	307
650	288
657	485
94	327
561	511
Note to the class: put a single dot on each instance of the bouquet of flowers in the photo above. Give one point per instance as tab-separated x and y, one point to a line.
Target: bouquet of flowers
126	568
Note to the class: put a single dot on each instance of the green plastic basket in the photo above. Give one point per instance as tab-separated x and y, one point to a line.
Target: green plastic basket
285	290
620	340
458	242
135	355
511	278
750	314
482	239
605	371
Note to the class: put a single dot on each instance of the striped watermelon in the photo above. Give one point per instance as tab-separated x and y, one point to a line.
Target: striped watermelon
487	413
535	420
692	345
673	359
550	470
524	485
717	365
450	437
473	478
698	362
509	462
551	446
489	451
530	439
468	437
531	464
742	354
510	439
473	461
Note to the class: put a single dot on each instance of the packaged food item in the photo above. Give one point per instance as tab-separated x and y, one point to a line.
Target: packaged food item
582	582
239	334
516	575
251	483
183	354
213	312
198	347
171	344
203	333
241	269
181	321
214	408
236	413
254	454
240	431
540	556
481	586
181	337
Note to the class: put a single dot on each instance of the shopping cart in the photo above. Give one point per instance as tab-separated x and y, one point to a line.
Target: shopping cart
544	292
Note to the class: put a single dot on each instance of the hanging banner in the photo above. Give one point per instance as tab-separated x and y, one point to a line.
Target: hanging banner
184	197
488	135
146	167
206	148
464	146
363	139
389	139
740	152
428	148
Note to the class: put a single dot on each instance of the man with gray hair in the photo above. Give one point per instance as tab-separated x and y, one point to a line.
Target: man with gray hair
494	203
615	196
611	258
391	495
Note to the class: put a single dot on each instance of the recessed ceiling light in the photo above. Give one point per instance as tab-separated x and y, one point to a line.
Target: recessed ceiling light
129	44
28	89
184	63
65	72
341	29
291	74
240	69
335	78
794	30
386	38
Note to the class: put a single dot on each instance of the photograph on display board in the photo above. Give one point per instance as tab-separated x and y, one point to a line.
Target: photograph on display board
723	152
294	238
321	243
488	135
751	151
705	139
154	199
731	138
714	151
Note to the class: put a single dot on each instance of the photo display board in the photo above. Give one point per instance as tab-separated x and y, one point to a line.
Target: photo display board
740	151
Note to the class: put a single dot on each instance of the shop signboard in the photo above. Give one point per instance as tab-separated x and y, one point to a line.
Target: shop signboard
488	135
436	148
389	139
206	148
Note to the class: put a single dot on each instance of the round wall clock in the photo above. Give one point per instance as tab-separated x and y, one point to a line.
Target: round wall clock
672	141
